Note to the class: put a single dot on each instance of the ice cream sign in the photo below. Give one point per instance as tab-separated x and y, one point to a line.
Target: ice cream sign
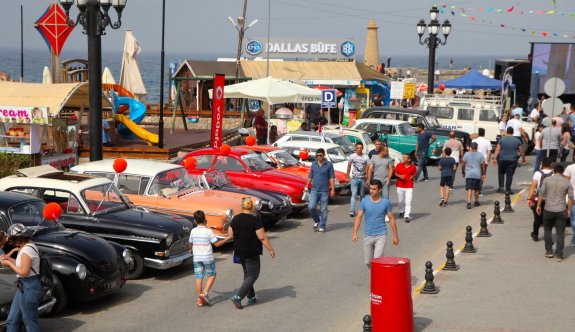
18	114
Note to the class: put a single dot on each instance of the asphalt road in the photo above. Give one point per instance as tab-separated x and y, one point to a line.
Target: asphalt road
316	282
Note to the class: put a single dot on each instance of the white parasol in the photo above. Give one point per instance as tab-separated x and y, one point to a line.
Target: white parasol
107	77
130	77
46	76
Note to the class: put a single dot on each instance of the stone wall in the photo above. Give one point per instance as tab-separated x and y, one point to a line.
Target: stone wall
203	123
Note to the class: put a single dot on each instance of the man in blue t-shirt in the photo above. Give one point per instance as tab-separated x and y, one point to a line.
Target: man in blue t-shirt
473	168
375	207
424	140
321	176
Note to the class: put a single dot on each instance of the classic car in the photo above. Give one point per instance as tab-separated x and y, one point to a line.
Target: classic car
399	135
312	136
86	267
285	162
333	153
247	169
95	205
272	206
165	187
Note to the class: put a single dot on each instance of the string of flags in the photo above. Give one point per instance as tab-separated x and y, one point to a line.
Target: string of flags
470	14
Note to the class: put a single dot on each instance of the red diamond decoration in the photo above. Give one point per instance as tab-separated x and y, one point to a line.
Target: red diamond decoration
54	28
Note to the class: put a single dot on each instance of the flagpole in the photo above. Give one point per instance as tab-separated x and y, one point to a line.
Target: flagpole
161	122
21	43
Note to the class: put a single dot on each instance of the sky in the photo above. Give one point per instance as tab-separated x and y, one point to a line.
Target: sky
202	26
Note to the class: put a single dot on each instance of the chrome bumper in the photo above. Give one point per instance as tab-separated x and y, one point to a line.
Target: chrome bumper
164	264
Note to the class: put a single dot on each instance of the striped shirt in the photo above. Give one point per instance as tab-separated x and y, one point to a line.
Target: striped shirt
201	239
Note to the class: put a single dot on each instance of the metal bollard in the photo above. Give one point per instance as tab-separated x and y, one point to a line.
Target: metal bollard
507	208
483	231
429	287
497	214
469	248
450	263
367	323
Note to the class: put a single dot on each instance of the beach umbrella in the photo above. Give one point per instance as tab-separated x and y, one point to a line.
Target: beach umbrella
421	87
107	77
130	77
46	76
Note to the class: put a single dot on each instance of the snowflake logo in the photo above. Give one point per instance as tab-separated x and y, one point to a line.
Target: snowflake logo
347	49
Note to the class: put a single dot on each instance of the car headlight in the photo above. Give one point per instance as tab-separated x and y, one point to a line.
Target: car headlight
169	239
229	214
81	271
439	145
336	181
127	256
270	205
258	205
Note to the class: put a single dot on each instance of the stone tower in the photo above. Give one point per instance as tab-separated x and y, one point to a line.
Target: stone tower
371	54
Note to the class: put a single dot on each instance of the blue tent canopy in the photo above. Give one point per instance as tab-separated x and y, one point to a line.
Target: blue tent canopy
472	80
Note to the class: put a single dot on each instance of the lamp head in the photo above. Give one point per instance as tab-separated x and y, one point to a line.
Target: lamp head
446	27
421	26
82	4
433	27
433	13
119	6
106	4
67	4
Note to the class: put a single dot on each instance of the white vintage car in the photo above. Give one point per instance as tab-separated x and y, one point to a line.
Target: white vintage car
334	153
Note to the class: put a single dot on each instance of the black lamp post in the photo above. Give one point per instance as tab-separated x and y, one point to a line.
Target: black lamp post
94	19
433	41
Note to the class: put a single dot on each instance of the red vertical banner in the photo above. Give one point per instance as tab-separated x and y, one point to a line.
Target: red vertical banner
218	110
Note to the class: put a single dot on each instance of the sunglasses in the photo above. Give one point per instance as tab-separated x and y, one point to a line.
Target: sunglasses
319	155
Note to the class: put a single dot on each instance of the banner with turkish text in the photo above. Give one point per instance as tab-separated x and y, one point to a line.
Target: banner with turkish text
218	110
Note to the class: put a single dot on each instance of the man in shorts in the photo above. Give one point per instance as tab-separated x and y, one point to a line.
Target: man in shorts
447	166
473	168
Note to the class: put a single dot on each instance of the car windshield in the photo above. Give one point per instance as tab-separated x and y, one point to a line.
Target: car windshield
171	179
217	179
283	158
432	120
104	198
336	155
344	142
405	129
255	162
366	138
30	215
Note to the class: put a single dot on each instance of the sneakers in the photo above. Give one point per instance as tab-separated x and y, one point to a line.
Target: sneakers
559	258
480	194
510	192
237	301
401	215
352	214
441	202
205	298
445	204
407	219
321	230
424	180
252	300
468	206
549	255
200	303
534	237
476	204
500	191
315	226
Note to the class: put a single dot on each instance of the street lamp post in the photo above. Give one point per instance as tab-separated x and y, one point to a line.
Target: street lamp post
432	41
94	18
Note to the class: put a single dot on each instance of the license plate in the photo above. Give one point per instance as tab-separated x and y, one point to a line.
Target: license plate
110	286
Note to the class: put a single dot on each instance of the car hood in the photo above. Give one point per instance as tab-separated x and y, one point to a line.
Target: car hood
279	176
91	250
264	195
147	223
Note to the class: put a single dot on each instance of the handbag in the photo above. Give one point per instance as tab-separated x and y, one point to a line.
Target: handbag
305	196
237	259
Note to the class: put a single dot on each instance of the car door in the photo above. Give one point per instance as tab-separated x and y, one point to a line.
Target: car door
74	214
238	173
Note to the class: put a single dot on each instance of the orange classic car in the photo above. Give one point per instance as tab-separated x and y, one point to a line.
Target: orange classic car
165	187
285	162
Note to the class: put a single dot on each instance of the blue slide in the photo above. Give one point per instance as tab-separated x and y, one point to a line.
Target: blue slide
137	112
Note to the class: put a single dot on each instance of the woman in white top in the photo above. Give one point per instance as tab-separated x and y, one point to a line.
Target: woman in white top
26	265
503	125
566	138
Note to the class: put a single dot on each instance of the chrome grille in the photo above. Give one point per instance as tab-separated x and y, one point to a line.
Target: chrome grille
179	247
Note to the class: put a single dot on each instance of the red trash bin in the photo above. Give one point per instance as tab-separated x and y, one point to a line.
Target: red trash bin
391	303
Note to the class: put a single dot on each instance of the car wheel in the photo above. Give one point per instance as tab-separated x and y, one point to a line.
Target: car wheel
60	296
137	266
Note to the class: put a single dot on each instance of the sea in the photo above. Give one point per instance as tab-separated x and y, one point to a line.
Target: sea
149	62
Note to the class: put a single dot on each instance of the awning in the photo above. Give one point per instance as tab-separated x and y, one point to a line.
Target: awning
53	96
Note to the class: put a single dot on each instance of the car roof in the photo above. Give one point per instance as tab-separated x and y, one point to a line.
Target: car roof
265	148
309	133
309	144
213	151
385	121
333	129
8	199
44	177
393	109
135	166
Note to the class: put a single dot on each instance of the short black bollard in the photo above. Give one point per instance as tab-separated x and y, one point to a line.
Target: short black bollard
483	232
429	287
497	214
507	208
367	323
469	248
450	263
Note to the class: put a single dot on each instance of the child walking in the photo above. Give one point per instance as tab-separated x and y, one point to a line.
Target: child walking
447	167
201	240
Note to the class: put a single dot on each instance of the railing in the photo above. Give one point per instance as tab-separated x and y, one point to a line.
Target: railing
464	98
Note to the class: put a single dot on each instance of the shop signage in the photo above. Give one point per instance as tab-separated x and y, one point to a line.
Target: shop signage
396	90
328	99
218	111
60	161
408	90
18	114
297	48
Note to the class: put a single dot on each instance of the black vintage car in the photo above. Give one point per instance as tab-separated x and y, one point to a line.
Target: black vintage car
272	206
95	205
86	267
415	117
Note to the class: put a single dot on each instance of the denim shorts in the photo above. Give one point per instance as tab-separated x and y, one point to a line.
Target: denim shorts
204	269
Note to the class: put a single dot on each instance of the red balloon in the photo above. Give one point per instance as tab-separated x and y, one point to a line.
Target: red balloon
190	163
120	165
303	154
225	149
250	140
441	87
52	211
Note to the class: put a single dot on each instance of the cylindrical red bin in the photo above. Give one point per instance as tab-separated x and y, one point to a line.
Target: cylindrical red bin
391	304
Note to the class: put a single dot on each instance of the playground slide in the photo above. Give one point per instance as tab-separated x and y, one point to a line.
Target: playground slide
137	130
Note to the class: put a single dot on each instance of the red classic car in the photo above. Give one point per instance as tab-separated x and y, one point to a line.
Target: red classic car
247	169
285	162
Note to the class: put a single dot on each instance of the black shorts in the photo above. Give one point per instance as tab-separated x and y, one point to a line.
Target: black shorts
445	181
472	184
